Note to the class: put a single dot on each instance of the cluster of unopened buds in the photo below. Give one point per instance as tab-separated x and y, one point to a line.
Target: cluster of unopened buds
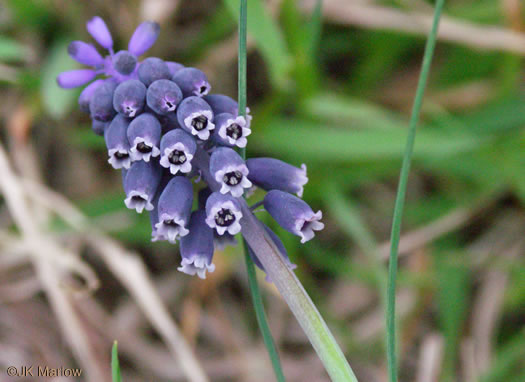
168	136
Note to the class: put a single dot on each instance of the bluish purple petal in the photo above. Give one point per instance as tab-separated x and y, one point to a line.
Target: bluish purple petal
274	174
85	97
101	103
223	212
192	82
195	116
228	168
177	149
174	208
153	69
144	137
196	248
140	185
293	214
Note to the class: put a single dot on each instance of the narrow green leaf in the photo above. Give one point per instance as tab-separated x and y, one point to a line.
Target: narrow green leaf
401	191
268	38
317	141
115	367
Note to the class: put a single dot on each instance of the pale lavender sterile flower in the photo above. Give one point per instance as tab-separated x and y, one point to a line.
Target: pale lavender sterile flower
85	96
195	116
140	185
228	168
223	212
163	97
231	130
196	248
274	174
192	82
293	214
177	150
98	29
129	98
75	78
174	208
85	53
101	102
153	69
144	134
280	246
117	142
143	38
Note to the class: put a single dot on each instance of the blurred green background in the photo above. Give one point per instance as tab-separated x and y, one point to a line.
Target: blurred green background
331	89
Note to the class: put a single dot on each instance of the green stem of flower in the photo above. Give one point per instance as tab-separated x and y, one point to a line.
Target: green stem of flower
401	192
250	267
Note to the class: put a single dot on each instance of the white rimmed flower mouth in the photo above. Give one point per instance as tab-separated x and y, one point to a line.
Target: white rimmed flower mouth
202	89
143	149
171	227
119	158
138	201
196	265
233	179
177	158
200	124
306	225
301	179
234	131
225	217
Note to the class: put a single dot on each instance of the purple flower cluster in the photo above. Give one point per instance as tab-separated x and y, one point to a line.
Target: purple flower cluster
163	129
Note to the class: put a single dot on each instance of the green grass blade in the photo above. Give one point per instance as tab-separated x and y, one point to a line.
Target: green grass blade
401	191
269	40
250	267
115	367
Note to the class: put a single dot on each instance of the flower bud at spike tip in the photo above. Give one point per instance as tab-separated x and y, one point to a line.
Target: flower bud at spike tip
196	248
140	184
223	212
153	69
75	78
85	53
228	168
293	214
192	82
143	38
177	150
175	208
274	174
195	116
130	98
101	103
144	137
100	32
163	96
117	143
124	62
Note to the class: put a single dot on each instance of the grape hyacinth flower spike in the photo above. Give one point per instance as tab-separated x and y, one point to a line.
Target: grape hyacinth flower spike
229	170
196	248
